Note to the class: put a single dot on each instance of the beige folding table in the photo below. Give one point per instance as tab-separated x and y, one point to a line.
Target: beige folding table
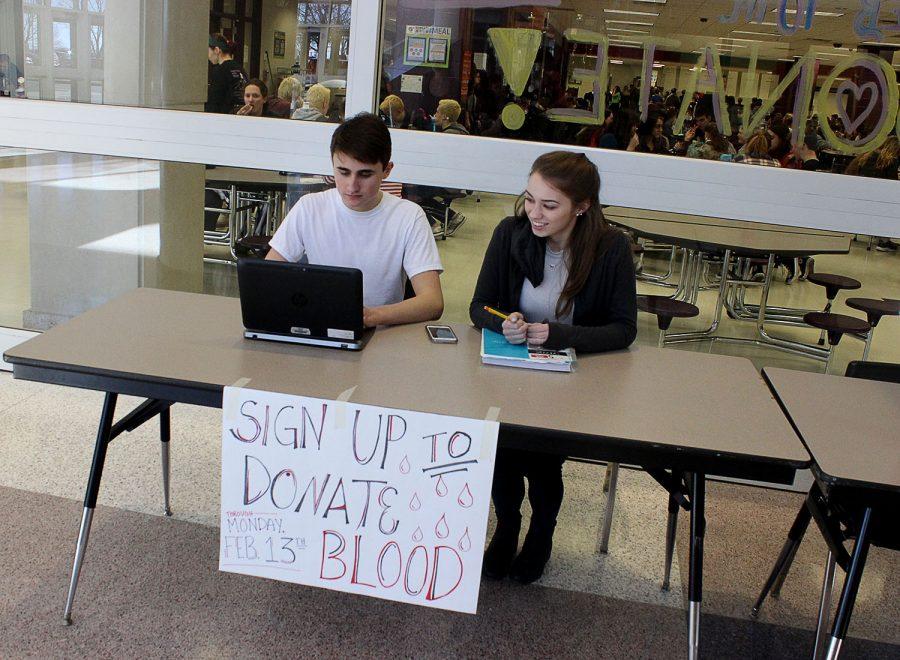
679	415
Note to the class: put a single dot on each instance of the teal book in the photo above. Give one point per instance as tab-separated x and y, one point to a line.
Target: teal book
497	351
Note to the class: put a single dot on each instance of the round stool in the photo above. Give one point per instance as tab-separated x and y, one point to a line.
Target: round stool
665	310
833	284
255	245
874	310
835	326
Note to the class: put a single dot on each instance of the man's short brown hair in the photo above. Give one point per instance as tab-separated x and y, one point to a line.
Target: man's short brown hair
363	137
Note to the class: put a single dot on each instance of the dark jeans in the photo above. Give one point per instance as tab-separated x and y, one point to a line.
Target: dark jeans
545	487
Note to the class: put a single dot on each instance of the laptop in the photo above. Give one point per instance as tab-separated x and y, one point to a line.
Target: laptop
302	303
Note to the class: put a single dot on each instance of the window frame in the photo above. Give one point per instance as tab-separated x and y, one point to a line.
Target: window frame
769	195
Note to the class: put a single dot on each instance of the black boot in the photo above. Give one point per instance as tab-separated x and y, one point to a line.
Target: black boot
500	552
529	565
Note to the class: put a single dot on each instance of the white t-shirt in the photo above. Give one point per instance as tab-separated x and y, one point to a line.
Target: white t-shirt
389	244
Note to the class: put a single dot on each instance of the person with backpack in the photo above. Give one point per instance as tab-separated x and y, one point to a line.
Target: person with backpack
226	79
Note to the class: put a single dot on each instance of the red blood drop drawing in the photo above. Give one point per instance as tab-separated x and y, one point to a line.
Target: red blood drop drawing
417	535
465	543
441	529
404	465
440	488
414	503
465	498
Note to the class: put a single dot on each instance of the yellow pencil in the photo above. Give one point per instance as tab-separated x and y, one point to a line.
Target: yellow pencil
491	310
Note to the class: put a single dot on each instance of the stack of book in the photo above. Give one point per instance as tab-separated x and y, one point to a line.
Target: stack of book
496	350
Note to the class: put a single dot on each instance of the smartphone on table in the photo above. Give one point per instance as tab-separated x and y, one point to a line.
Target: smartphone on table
441	334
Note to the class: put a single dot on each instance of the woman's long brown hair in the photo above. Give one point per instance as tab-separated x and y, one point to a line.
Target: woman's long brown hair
575	176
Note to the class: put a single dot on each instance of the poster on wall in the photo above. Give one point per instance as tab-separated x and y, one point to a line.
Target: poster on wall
278	46
368	500
427	45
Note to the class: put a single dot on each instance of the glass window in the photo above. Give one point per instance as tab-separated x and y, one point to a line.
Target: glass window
62	90
96	46
732	81
63	44
273	40
33	89
97	92
32	37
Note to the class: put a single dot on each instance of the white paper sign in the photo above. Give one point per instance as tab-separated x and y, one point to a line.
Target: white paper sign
373	501
411	84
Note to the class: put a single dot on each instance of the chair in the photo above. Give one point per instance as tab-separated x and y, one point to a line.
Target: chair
812	506
665	310
836	326
874	310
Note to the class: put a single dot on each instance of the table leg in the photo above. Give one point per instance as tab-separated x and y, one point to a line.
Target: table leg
90	497
671	527
824	604
695	578
165	434
851	586
782	564
613	472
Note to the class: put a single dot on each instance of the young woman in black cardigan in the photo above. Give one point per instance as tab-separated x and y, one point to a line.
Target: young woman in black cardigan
567	280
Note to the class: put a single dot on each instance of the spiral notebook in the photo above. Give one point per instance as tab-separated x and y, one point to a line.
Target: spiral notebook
497	351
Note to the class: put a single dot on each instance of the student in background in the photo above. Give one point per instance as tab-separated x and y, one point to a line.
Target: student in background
356	225
446	117
393	112
290	97
256	96
226	80
649	138
318	98
567	280
756	152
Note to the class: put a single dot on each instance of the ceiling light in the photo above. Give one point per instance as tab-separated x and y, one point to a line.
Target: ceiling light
832	14
764	34
609	22
624	41
626	30
652	2
632	13
616	62
657	65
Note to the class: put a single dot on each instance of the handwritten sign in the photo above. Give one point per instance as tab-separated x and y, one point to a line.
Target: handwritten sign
373	501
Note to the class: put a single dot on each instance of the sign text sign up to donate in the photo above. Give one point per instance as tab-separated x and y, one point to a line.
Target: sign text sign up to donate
357	498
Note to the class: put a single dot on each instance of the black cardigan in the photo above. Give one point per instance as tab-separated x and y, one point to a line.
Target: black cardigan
605	315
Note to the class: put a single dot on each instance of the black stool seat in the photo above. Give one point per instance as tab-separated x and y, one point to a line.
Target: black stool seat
875	308
666	309
836	325
833	283
257	244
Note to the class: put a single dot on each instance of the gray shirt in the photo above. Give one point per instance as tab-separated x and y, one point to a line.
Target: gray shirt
539	303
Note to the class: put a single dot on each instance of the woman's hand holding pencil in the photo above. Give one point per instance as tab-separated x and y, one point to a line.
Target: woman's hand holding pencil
515	329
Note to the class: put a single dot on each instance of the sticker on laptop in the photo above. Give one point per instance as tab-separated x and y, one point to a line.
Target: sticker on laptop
340	334
297	330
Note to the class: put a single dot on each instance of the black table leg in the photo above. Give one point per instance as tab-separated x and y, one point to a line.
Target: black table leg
165	434
90	498
671	528
783	564
851	586
695	578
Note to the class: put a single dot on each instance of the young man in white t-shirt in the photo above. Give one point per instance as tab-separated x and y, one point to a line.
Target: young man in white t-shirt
356	225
